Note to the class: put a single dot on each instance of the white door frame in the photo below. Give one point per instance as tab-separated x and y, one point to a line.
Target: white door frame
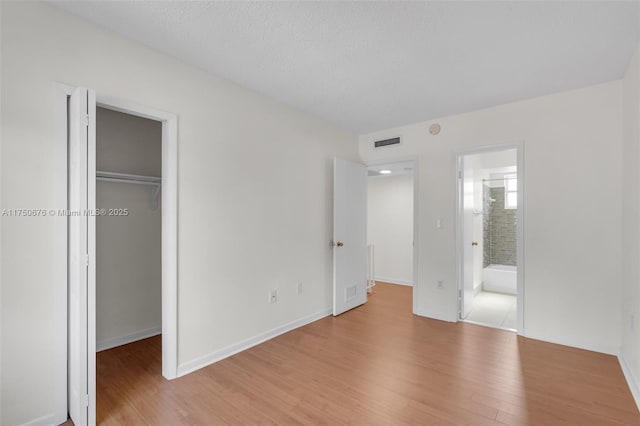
414	160
81	225
169	222
519	147
169	232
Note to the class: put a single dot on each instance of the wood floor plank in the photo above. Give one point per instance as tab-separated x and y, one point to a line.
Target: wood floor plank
375	365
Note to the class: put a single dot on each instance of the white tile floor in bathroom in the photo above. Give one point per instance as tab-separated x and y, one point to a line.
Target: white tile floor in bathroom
494	310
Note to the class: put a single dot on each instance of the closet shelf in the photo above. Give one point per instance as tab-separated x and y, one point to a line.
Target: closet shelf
154	181
127	178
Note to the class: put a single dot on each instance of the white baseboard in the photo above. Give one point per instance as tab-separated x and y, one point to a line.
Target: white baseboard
213	357
432	315
477	289
634	386
129	338
395	281
568	341
48	420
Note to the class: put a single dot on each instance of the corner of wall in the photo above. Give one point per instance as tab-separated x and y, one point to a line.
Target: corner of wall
634	384
630	225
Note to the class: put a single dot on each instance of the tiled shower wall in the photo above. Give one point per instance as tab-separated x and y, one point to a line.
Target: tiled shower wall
486	226
499	229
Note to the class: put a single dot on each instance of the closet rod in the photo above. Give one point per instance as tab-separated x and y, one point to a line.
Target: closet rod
128	178
137	179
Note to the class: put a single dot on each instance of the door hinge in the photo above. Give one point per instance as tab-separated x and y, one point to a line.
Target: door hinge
459	294
85	400
459	174
87	259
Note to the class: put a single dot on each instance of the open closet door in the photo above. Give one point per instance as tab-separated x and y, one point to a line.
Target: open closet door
81	226
349	235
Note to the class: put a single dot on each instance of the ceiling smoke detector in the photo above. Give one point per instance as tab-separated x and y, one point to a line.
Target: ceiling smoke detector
434	129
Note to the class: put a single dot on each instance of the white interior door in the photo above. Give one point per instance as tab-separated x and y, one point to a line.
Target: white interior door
467	237
81	351
349	235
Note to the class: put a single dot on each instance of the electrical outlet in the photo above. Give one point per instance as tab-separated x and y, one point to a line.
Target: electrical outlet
273	296
299	288
440	284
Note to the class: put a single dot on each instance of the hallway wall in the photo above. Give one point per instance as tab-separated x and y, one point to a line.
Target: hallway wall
390	227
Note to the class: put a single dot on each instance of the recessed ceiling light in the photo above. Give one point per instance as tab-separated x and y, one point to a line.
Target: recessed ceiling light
385	172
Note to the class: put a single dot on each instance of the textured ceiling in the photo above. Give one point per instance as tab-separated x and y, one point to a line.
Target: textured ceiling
373	65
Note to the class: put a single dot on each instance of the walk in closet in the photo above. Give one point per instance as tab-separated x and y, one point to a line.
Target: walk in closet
128	228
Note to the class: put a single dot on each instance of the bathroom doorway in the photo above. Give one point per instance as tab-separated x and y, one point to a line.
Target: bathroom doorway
489	247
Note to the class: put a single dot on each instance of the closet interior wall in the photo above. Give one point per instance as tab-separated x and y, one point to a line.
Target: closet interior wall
128	237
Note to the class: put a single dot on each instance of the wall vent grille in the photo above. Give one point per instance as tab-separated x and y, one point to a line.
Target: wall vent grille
386	142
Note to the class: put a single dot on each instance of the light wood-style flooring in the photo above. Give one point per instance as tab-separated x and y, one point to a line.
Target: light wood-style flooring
375	365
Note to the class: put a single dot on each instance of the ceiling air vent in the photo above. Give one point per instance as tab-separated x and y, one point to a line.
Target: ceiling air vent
386	142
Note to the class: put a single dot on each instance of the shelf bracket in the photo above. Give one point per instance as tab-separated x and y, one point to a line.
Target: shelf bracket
155	193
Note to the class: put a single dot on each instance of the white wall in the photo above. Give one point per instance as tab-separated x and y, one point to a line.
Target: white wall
499	159
128	248
254	198
631	223
572	143
390	227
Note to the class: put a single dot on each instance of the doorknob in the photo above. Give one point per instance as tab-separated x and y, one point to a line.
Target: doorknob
474	243
339	243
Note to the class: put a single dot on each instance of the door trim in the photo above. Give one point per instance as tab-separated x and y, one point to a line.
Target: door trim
519	147
169	222
60	134
414	160
169	233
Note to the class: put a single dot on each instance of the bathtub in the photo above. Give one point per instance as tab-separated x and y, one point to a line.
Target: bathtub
500	278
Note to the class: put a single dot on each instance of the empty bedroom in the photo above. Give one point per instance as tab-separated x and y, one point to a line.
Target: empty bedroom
310	212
